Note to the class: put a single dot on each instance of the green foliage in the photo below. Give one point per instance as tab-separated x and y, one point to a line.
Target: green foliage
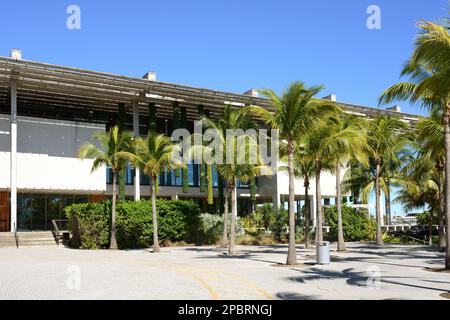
90	224
260	220
279	227
423	218
357	226
178	220
268	215
210	228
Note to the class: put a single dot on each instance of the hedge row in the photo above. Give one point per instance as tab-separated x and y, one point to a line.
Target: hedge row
90	223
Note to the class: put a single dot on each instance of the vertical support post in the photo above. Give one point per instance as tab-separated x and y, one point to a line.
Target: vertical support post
13	162
122	174
137	173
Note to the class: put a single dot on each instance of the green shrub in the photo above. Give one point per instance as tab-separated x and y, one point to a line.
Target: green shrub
268	215
280	225
210	228
258	240
357	226
178	220
90	224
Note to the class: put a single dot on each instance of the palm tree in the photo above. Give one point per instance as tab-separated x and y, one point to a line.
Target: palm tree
385	139
428	70
108	152
154	155
330	145
348	141
224	240
304	168
232	172
431	146
420	186
296	111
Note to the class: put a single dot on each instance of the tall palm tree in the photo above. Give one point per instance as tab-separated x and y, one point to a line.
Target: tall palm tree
154	155
108	152
428	84
296	111
385	139
232	172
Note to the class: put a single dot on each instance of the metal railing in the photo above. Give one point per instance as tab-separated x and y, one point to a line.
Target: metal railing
60	227
414	240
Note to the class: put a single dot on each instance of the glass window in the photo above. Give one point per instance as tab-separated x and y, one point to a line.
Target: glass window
66	200
53	210
31	212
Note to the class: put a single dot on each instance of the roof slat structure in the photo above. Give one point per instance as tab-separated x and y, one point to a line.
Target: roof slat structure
54	87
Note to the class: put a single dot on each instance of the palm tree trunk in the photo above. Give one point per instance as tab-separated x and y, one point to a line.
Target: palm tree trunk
387	205
156	247
430	229
307	213
377	204
447	180
232	242
292	255
441	215
319	216
224	241
113	243
341	241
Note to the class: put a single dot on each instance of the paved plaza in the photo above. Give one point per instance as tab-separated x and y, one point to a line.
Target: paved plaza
362	272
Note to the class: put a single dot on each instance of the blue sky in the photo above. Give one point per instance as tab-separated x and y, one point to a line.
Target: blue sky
227	45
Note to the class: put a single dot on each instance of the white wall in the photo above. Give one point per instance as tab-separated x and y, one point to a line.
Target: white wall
47	155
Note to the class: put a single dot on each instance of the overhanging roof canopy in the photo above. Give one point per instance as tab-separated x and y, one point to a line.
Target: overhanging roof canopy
56	87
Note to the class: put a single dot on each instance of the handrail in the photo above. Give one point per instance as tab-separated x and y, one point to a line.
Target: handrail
56	229
410	237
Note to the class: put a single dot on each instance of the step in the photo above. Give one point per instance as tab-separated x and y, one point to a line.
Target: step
37	243
7	239
38	238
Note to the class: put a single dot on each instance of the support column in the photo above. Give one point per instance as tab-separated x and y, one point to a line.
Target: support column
13	162
137	173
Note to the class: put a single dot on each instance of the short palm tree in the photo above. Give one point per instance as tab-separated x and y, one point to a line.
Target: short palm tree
428	70
330	145
419	186
304	168
296	111
154	155
348	140
232	172
109	152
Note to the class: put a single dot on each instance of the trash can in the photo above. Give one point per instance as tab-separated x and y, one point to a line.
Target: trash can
323	252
